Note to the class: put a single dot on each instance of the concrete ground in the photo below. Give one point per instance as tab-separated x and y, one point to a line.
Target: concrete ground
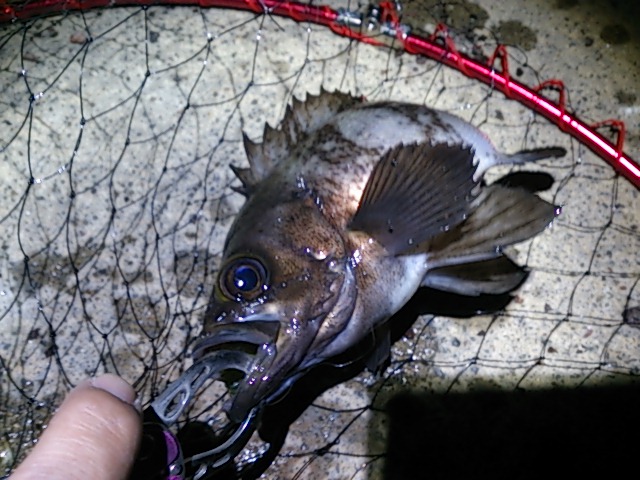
109	253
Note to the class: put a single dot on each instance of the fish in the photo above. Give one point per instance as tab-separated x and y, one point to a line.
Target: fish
352	206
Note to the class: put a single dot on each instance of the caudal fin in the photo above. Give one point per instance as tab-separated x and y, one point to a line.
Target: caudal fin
525	156
501	216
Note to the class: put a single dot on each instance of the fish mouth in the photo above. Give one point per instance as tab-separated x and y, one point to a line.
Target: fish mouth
255	337
247	336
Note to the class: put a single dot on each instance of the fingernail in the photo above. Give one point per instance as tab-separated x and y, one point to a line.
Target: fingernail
117	387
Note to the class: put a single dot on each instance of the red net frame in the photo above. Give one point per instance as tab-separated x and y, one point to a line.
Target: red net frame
439	46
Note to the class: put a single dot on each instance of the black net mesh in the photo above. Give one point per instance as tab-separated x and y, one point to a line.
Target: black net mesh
118	127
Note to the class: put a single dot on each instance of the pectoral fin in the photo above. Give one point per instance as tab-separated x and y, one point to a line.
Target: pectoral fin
381	353
414	193
494	276
502	216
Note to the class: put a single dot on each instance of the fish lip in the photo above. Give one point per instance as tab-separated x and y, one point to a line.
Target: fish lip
253	333
249	392
259	317
255	336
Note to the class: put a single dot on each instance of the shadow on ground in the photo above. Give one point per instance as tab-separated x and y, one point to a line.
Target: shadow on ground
515	435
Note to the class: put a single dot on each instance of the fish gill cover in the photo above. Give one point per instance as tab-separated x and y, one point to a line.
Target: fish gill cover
118	127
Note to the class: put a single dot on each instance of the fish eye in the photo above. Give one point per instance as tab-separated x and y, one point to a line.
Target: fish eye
243	278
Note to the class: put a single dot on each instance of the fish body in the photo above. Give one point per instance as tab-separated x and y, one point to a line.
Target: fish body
350	208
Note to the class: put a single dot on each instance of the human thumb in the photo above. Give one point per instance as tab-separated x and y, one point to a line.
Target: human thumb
95	435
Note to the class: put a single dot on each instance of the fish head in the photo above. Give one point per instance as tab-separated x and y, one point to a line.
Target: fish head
282	273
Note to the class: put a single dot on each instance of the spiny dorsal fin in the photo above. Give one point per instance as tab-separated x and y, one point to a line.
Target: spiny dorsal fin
317	110
245	175
301	117
254	152
414	193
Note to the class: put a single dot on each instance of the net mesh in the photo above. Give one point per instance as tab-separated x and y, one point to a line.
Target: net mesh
118	127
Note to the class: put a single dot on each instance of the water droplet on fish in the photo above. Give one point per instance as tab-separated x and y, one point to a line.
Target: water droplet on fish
389	226
270	349
499	249
410	241
317	254
558	211
356	258
445	228
295	324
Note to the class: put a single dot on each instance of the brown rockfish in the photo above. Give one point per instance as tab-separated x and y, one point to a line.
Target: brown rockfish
350	208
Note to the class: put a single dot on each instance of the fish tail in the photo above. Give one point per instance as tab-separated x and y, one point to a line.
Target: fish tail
525	156
469	259
501	216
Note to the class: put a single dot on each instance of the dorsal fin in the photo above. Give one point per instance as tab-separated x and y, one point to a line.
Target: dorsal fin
245	175
317	110
301	118
414	193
